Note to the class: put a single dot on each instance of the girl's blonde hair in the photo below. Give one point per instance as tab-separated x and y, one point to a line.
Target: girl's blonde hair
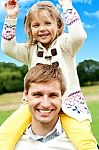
55	14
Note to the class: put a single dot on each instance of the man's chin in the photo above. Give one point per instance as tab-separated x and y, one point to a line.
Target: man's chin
44	120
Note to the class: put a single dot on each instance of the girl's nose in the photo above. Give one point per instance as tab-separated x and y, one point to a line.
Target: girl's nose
42	28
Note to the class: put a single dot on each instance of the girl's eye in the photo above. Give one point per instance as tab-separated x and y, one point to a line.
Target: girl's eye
48	23
35	25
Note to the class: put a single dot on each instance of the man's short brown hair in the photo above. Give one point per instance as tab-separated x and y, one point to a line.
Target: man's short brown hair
44	73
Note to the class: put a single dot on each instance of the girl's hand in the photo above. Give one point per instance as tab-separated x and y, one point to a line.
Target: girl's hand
12	8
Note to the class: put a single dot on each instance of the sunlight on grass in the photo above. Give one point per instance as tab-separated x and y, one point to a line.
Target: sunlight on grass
11	98
91	93
91	90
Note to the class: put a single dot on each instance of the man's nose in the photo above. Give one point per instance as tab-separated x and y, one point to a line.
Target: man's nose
45	102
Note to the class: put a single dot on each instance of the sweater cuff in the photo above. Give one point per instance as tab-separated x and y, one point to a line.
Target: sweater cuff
67	6
10	21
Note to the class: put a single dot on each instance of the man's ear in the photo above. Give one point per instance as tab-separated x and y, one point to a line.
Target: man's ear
25	96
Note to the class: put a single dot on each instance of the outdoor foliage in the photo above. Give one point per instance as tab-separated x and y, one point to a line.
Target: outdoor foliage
88	72
12	76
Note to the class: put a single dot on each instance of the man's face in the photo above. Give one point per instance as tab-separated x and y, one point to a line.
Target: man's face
45	101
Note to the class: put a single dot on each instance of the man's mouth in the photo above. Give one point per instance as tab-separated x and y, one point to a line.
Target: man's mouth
45	111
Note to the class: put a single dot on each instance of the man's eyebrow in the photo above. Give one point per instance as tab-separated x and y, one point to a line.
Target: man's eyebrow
36	92
54	93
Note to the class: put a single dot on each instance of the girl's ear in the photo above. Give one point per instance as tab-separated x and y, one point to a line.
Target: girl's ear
25	96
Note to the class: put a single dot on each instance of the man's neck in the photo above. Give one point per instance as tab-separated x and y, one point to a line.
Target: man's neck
42	129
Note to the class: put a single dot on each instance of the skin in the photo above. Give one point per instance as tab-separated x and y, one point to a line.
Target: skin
44	100
44	28
12	8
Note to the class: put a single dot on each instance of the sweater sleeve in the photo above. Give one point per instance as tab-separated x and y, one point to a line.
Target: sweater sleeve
9	45
74	39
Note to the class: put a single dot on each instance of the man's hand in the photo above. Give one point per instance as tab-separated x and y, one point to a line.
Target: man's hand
12	8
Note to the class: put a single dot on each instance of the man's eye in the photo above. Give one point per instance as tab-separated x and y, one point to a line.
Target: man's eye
36	94
53	95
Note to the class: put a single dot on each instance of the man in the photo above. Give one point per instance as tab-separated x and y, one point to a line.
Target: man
43	90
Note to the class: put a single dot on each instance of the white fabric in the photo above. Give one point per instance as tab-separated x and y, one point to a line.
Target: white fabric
57	130
61	142
66	4
28	142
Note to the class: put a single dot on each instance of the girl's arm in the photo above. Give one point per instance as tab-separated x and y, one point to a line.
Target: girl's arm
76	33
9	45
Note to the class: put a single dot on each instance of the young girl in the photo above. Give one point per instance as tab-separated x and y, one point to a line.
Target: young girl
48	44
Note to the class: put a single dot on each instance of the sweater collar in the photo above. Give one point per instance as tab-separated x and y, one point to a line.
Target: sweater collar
57	130
42	47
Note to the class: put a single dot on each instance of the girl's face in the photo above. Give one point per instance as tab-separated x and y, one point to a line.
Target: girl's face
44	28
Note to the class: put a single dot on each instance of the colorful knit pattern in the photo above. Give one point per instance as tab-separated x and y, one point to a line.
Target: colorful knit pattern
71	16
8	32
75	106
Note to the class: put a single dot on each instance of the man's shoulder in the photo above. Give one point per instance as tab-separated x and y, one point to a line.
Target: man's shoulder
59	142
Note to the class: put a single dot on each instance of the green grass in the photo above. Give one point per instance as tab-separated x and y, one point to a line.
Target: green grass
94	109
9	98
91	90
4	115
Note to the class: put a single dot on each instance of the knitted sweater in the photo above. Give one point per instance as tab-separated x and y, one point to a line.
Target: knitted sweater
66	46
55	139
62	51
60	142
